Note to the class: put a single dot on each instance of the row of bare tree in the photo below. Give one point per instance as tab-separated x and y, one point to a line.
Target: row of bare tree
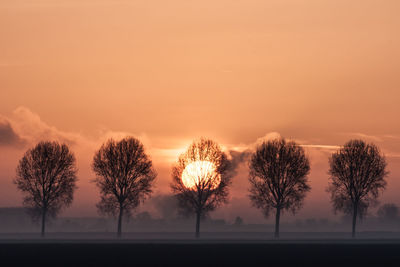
278	176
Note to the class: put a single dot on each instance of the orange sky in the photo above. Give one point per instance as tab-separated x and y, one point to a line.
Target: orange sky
80	71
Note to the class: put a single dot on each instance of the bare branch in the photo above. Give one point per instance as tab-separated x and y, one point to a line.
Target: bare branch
357	176
46	174
125	176
207	194
278	177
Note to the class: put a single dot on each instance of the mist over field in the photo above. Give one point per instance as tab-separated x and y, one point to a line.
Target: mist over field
16	223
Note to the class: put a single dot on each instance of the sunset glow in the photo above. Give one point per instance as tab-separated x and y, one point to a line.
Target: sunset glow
202	173
182	132
168	72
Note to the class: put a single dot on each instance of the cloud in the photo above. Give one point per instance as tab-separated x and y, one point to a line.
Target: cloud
267	137
30	127
8	137
276	135
25	127
240	154
165	205
392	155
365	136
391	136
239	157
327	147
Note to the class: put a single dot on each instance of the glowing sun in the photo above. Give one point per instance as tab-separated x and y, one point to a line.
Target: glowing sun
201	172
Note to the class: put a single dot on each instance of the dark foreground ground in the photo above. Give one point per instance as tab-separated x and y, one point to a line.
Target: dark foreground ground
34	252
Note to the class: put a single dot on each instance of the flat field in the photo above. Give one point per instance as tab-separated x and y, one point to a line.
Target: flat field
203	252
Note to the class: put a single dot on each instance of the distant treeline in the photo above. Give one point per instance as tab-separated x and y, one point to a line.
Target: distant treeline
17	220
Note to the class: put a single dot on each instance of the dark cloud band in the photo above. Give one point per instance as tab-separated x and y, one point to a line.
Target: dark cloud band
8	137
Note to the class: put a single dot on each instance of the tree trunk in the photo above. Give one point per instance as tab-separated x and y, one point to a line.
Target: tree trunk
198	215
120	222
43	222
353	233
277	217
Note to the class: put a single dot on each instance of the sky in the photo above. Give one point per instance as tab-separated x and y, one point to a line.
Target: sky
168	72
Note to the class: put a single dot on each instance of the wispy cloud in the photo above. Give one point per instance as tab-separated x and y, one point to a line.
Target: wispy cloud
268	136
374	138
329	147
390	136
392	155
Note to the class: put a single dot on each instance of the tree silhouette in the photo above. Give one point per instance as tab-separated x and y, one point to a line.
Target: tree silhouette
388	212
238	221
46	175
200	179
278	177
357	176
125	177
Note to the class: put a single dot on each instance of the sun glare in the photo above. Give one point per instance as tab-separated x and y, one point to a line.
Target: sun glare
201	172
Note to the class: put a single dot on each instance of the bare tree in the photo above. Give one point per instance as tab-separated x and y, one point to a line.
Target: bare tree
278	178
46	174
125	177
238	221
357	176
201	178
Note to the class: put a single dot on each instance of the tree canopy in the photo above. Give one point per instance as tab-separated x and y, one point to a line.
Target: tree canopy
46	175
125	176
278	177
357	176
210	174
